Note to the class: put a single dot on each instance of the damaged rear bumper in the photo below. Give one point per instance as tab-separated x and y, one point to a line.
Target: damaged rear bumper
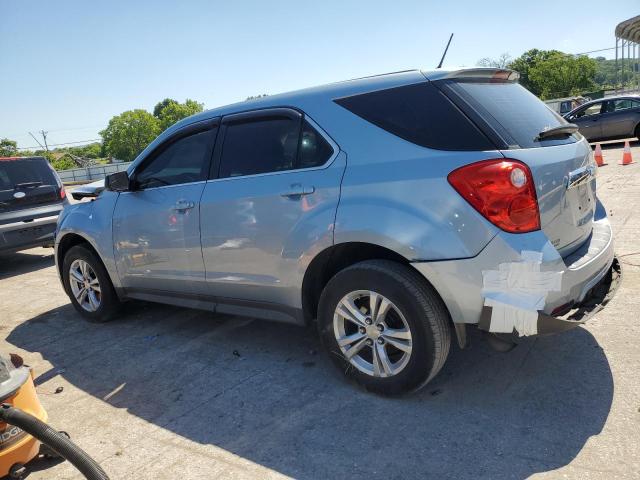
573	314
520	283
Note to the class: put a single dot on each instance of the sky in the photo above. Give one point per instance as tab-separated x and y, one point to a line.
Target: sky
68	66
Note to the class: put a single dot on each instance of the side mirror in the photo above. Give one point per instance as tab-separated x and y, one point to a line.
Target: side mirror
117	182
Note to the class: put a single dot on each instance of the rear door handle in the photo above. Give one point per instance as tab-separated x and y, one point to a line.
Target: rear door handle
298	190
183	205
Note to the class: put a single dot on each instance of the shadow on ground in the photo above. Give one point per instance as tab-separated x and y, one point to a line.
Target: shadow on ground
14	264
264	392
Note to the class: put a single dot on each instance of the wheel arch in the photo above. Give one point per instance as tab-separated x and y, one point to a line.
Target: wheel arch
67	242
338	257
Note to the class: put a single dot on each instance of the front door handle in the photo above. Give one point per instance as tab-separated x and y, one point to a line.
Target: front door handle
298	190
183	205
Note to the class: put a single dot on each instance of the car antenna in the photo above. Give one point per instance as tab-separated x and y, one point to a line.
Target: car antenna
445	52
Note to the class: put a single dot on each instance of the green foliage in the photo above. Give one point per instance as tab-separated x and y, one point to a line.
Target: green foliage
606	73
64	163
92	150
553	74
528	60
562	75
157	110
129	133
8	148
174	112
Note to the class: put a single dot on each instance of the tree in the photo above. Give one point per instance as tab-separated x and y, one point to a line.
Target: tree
501	62
562	75
8	148
526	61
174	112
129	133
157	110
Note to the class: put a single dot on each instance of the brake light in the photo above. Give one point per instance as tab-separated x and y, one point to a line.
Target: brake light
63	194
502	191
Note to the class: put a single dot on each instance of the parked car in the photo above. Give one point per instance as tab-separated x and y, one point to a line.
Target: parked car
31	198
609	118
394	211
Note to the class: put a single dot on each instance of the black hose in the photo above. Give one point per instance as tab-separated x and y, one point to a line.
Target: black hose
58	442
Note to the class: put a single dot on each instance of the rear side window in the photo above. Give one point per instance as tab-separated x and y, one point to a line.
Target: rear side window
314	149
272	144
512	111
420	114
259	146
24	171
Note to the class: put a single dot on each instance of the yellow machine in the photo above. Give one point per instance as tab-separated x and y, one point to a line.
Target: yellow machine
24	433
16	388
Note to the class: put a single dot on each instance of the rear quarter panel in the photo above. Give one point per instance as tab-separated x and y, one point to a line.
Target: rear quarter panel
395	194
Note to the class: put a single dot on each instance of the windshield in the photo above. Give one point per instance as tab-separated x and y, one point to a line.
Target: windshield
516	114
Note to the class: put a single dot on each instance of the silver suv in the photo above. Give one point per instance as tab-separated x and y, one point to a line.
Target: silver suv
393	211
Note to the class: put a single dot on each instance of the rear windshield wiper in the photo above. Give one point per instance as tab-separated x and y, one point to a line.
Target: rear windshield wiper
27	185
559	131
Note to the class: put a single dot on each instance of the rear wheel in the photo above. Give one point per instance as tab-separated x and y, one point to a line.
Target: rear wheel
88	285
637	131
384	326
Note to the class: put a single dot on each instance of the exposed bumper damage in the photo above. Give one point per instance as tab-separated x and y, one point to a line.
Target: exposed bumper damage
571	315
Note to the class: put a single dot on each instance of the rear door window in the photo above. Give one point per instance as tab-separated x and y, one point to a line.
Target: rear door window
621	104
420	114
512	111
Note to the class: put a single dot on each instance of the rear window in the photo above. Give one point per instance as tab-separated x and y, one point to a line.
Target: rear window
17	172
420	114
512	111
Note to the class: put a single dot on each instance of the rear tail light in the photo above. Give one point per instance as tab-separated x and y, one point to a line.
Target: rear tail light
502	191
63	194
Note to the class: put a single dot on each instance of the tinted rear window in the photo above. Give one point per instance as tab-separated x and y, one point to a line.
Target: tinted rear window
512	111
420	114
23	171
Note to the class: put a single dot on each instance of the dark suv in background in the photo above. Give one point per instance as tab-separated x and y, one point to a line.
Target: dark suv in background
31	198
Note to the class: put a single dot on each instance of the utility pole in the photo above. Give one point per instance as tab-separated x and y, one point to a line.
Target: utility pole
44	136
37	141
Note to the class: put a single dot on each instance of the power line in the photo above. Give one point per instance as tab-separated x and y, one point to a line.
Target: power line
61	144
595	51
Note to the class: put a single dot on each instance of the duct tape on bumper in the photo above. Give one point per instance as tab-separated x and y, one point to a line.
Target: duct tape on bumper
539	323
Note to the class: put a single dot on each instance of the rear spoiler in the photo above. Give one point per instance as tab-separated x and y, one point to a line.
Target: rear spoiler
473	73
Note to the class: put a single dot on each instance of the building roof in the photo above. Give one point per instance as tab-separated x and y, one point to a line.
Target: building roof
629	30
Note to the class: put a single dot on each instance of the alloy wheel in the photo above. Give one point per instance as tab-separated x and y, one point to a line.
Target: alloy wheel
85	285
372	333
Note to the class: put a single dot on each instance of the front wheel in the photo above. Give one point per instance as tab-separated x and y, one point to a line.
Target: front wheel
384	326
88	285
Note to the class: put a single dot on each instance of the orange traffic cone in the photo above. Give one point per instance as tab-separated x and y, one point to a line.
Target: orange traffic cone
598	155
626	156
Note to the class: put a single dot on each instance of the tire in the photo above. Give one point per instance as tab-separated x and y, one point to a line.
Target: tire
107	299
637	131
412	306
